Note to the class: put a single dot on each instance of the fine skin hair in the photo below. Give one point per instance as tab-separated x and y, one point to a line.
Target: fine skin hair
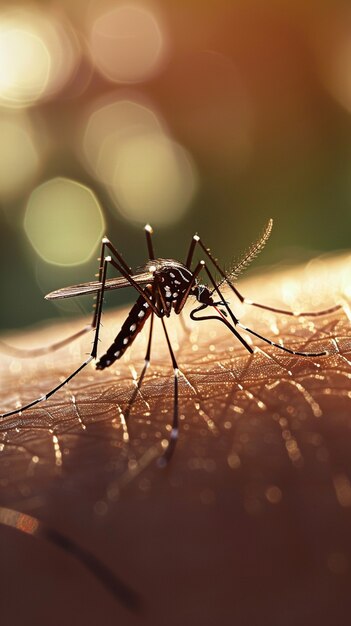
248	523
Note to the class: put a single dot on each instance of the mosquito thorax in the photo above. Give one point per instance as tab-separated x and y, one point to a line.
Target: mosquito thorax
173	279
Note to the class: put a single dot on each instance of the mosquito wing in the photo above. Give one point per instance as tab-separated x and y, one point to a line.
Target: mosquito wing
93	287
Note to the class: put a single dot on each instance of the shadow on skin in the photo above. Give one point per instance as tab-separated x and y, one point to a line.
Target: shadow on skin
248	524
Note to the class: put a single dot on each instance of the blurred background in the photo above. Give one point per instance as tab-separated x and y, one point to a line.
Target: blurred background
208	117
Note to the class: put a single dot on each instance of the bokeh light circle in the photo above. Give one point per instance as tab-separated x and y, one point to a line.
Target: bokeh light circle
108	126
155	179
64	222
25	64
38	55
127	44
149	176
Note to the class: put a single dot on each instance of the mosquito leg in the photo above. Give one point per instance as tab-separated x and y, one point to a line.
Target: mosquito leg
165	458
150	248
35	352
331	309
237	323
163	304
123	269
218	291
222	318
277	345
243	300
196	240
191	284
106	243
224	321
92	355
143	372
139	289
190	254
51	392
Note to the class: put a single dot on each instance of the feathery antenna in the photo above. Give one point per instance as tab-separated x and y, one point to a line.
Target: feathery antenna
252	252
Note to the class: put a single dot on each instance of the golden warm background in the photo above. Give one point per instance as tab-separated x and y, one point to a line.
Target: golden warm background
193	116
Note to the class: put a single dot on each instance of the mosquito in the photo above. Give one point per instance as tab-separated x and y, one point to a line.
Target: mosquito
164	286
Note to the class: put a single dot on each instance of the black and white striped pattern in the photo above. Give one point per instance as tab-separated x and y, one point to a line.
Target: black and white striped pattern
134	323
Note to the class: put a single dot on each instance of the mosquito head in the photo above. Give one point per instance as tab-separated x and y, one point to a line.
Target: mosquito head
202	294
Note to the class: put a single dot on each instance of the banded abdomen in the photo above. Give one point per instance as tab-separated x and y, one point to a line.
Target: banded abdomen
135	321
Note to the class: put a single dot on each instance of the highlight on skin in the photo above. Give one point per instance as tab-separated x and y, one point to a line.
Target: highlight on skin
249	424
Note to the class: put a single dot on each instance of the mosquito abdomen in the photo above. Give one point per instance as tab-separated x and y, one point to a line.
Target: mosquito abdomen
134	323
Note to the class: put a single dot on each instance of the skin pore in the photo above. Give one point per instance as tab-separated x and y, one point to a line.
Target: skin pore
248	524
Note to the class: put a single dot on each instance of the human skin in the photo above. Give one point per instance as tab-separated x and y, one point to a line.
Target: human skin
250	521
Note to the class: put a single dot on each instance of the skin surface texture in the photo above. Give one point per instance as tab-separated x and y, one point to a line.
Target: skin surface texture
250	521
